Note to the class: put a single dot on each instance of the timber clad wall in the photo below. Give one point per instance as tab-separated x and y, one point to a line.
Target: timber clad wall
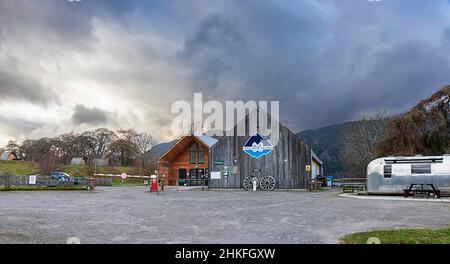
182	162
286	163
178	158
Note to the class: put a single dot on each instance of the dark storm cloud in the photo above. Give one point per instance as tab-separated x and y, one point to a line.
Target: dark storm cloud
43	25
15	86
48	21
61	23
89	116
16	126
215	39
325	61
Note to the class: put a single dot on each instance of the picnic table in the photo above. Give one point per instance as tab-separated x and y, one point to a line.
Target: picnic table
418	190
315	185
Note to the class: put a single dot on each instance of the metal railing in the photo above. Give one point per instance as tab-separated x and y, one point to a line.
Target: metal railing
354	184
42	182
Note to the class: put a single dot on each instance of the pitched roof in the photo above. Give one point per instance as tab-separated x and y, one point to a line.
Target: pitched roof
207	140
76	160
5	154
316	158
184	142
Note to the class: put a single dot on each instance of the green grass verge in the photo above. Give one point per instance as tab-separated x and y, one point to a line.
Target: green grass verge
128	182
18	167
27	167
402	236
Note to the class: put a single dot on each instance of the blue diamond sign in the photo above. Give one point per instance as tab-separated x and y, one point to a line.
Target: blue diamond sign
257	146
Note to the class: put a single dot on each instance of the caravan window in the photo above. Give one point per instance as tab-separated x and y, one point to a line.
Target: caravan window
387	171
420	168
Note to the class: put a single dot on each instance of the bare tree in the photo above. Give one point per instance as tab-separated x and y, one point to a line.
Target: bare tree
26	150
360	140
35	150
13	146
127	147
123	152
47	161
96	144
144	142
68	147
127	134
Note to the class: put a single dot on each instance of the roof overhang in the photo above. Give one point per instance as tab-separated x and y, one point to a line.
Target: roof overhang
316	158
179	147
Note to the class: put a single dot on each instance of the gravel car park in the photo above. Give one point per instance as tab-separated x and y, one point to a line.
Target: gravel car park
133	215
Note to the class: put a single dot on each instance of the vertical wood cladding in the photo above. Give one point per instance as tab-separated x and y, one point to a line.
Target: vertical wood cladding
286	163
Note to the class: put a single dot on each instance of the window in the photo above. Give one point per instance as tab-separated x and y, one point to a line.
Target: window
421	168
201	155
193	174
192	153
387	171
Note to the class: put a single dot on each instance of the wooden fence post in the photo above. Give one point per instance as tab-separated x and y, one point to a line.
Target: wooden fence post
7	180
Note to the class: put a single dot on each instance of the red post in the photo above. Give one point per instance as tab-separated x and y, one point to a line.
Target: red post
154	184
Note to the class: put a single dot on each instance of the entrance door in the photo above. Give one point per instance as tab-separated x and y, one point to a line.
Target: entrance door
182	176
196	174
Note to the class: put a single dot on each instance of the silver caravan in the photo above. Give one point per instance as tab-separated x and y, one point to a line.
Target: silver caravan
390	175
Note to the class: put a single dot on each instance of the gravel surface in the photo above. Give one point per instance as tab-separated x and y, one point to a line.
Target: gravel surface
133	215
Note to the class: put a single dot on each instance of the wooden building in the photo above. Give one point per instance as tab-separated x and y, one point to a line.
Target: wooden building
8	155
286	163
186	159
316	166
78	161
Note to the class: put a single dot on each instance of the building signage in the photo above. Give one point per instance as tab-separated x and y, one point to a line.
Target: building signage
215	175
257	146
32	179
218	162
225	171
308	168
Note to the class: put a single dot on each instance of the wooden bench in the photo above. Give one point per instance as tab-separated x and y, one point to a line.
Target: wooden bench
314	186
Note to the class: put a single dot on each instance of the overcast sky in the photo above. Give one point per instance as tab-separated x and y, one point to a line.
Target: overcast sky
97	63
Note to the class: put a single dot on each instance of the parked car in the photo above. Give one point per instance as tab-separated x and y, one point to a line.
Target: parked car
60	176
65	177
78	179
